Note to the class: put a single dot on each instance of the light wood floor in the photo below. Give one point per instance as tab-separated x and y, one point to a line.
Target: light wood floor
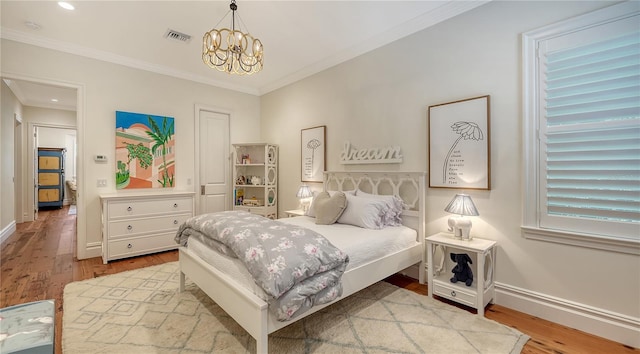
38	260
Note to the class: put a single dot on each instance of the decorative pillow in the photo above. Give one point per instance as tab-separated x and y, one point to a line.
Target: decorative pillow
364	212
312	212
329	208
395	206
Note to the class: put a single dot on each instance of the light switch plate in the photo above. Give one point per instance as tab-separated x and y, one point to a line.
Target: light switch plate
102	183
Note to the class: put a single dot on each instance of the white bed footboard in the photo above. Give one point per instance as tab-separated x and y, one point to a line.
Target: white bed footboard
252	313
247	309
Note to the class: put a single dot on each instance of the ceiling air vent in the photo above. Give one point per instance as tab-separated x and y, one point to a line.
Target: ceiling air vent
177	36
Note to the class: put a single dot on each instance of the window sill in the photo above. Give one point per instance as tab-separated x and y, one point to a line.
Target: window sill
582	240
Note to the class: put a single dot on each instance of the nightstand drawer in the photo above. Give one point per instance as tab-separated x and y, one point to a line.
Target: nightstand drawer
454	293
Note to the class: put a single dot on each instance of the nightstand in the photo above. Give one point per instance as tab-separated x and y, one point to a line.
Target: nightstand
483	255
291	213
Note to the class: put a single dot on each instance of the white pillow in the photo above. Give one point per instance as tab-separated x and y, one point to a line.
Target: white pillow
395	206
312	211
363	212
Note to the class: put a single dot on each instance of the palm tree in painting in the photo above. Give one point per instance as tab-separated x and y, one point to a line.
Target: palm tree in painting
161	137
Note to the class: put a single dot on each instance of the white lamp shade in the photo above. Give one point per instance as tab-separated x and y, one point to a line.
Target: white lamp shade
304	192
462	204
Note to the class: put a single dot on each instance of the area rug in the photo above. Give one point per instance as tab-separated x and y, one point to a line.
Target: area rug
141	311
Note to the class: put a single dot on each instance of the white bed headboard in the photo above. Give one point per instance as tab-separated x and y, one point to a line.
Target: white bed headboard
407	185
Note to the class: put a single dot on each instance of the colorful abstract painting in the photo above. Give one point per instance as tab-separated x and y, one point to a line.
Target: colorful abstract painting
145	151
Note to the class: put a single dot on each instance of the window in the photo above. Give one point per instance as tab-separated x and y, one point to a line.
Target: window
582	130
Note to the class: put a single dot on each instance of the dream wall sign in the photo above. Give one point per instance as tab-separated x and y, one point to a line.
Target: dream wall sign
145	151
388	154
459	155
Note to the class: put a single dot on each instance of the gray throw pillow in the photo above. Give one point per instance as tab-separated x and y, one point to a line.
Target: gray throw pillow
329	208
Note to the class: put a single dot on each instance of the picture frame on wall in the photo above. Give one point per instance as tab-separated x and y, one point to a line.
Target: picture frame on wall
313	150
459	144
145	153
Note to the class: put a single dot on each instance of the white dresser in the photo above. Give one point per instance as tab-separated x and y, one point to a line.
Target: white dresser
135	224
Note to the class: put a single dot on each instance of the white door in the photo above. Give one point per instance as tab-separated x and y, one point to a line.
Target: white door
214	160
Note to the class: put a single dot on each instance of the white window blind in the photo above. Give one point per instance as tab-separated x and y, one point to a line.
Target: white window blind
586	108
591	135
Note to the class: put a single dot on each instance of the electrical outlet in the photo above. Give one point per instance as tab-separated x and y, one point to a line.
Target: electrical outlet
102	183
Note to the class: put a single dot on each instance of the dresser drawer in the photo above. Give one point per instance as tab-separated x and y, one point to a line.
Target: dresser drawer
454	293
121	209
134	227
141	245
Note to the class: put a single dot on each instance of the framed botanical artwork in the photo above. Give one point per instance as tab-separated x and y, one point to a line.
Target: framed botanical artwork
459	144
313	150
145	151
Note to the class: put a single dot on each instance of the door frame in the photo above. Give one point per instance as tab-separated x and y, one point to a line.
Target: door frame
82	248
197	109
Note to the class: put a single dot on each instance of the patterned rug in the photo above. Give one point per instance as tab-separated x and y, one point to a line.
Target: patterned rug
141	311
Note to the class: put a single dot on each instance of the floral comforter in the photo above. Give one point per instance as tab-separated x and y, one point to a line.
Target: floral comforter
296	267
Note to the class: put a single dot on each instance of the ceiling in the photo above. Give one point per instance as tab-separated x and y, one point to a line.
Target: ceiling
300	38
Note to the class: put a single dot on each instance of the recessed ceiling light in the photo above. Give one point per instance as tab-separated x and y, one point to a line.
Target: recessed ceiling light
54	100
65	5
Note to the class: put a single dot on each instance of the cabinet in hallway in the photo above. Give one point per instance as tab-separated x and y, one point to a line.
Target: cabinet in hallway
50	177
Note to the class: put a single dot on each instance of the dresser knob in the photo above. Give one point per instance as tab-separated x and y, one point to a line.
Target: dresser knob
175	205
129	246
175	222
129	209
453	293
129	227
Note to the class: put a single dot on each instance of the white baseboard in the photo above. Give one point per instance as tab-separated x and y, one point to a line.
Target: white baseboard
7	231
611	325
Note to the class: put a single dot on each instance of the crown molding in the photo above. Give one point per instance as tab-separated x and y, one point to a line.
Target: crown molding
71	48
16	90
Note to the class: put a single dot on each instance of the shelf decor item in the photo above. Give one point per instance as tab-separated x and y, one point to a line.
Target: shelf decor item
461	204
459	145
313	153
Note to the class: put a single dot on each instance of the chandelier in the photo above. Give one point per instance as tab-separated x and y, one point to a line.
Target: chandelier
231	50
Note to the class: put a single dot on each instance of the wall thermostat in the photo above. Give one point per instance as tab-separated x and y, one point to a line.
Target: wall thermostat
100	158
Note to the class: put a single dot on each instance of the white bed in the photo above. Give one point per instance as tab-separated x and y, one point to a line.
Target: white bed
242	300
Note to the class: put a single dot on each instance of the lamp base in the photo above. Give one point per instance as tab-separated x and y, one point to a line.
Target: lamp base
461	228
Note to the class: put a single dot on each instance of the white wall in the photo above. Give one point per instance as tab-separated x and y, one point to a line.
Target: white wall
10	108
105	88
381	98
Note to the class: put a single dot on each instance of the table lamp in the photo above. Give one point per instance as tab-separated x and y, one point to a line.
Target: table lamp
462	205
304	193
